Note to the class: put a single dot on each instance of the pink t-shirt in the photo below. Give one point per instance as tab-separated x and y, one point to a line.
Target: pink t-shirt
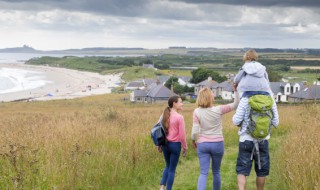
176	131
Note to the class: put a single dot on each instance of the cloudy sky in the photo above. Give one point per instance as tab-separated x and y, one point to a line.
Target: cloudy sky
64	24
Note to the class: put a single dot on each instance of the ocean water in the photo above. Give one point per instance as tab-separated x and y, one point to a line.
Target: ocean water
15	80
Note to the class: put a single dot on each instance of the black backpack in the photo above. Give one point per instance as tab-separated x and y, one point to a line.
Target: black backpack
158	134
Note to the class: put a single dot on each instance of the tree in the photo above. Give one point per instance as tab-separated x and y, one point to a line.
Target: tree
202	74
273	75
177	88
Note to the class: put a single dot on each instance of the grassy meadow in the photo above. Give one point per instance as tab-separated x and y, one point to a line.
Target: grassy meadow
103	142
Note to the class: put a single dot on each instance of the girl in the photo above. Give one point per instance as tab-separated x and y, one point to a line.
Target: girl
174	126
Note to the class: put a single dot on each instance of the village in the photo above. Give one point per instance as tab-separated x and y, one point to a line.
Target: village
153	90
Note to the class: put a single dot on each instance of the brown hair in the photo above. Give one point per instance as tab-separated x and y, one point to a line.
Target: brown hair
204	98
166	112
250	55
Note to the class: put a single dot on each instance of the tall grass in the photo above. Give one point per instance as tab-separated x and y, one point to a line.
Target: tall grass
103	142
298	163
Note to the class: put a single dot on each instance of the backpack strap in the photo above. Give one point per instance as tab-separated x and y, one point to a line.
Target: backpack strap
256	151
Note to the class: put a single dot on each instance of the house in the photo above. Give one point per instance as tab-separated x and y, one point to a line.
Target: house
134	85
139	84
225	90
310	93
185	81
206	83
281	90
148	66
154	93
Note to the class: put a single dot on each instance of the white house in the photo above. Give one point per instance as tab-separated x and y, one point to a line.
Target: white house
281	90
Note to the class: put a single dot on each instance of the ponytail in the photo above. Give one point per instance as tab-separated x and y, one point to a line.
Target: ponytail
166	118
166	112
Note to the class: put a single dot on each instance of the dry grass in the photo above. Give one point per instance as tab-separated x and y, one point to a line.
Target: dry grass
93	143
298	159
104	143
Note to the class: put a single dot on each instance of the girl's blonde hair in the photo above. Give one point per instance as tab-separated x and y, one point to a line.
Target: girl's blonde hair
250	55
204	98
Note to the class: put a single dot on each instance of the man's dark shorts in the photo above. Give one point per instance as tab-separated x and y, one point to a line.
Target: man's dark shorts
244	162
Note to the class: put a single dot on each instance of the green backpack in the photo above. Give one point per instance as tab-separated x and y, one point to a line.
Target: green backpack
260	116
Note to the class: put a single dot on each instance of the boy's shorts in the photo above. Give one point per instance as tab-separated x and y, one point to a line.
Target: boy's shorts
244	162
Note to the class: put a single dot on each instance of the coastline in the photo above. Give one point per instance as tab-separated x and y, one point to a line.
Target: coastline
66	84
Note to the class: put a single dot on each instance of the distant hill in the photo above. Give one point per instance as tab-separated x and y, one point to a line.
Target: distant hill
170	50
23	49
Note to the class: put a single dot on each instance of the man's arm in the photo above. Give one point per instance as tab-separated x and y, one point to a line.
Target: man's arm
239	115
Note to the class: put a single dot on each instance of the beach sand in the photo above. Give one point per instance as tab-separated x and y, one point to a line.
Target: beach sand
66	84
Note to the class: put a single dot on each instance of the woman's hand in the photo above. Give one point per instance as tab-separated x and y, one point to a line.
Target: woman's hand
235	86
184	152
194	144
159	149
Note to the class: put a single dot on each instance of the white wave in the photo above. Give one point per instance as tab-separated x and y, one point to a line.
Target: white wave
15	80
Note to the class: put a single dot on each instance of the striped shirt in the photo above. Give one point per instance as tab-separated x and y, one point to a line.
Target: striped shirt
241	118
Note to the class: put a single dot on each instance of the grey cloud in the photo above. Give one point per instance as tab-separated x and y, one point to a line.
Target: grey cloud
294	3
106	7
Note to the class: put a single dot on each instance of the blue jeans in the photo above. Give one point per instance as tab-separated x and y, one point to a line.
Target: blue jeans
207	150
171	154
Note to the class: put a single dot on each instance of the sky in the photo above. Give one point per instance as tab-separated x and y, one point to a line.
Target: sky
153	24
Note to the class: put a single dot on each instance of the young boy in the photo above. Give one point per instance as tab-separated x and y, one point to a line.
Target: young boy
252	78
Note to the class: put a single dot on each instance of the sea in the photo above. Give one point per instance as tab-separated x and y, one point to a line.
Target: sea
15	80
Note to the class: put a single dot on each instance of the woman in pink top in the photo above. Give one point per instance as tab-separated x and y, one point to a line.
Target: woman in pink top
174	126
207	127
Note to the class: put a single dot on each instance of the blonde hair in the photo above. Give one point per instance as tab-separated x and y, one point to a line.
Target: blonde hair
204	98
250	55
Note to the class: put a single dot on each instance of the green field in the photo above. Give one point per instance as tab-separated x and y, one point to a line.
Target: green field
221	62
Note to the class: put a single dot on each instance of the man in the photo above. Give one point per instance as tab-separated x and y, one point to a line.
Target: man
250	148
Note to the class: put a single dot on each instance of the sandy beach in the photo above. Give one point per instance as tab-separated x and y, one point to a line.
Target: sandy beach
64	84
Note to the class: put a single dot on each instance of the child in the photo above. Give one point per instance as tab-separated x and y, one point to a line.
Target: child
252	78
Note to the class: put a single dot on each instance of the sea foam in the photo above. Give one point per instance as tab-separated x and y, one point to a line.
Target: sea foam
14	80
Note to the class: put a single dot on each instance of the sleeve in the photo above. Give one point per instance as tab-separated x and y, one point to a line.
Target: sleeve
239	76
182	133
232	106
275	115
195	126
238	117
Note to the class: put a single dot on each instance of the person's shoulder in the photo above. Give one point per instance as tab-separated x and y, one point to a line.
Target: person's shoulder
178	115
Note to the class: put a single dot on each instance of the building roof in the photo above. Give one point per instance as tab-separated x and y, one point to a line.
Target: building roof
140	93
277	87
160	91
149	81
309	93
207	83
135	84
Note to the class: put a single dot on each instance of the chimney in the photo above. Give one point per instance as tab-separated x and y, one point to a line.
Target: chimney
209	78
